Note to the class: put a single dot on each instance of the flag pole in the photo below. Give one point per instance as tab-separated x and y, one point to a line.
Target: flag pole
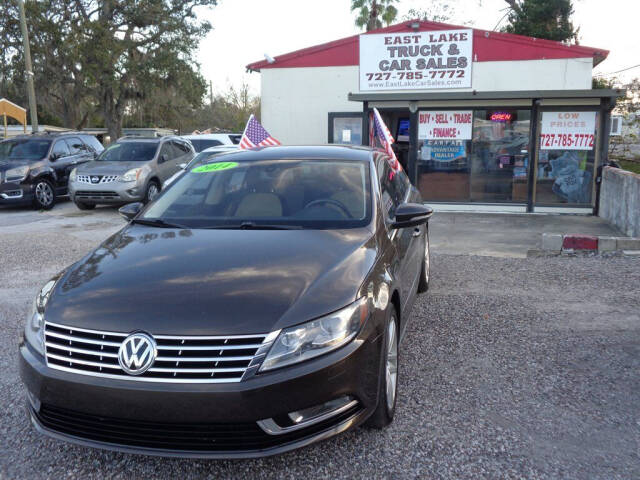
244	132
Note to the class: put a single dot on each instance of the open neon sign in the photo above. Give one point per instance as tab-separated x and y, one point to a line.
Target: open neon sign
501	117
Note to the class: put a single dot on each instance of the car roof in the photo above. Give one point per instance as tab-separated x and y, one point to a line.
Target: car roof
316	152
220	148
210	136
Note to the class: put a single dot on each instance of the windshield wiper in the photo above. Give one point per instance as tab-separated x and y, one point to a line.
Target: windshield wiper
157	222
254	226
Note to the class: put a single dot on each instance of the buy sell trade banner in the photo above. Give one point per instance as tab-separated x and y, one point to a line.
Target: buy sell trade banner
417	60
445	125
568	131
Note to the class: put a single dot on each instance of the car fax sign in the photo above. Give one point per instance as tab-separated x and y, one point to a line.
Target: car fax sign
416	61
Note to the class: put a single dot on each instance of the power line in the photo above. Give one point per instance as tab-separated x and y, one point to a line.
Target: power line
619	71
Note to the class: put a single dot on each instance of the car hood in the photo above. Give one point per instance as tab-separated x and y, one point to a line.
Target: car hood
212	282
9	164
108	168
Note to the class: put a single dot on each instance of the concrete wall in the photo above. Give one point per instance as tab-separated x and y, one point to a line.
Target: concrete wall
296	101
620	200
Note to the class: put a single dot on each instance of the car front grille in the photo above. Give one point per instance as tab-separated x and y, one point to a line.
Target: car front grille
183	359
97	195
194	437
100	179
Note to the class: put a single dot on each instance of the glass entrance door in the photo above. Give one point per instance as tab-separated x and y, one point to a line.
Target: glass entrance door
565	165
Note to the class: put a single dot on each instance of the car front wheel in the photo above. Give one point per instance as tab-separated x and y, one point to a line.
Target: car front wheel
85	206
388	383
153	189
423	284
44	195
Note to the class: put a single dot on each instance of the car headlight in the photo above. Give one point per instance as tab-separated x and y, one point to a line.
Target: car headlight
16	174
317	337
34	328
131	175
72	175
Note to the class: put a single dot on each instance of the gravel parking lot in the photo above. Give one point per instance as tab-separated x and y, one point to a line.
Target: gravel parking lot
512	368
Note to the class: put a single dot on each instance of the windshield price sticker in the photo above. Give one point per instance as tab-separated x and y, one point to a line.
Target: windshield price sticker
215	167
445	125
420	60
568	131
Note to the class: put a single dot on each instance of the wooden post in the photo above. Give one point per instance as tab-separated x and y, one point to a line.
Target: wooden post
5	126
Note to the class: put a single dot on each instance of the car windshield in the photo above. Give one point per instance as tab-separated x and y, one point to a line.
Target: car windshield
24	149
129	152
314	194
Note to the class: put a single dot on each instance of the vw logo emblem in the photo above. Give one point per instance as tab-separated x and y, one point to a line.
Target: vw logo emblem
95	179
137	353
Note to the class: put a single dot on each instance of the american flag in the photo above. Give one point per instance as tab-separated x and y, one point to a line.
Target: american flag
377	129
256	136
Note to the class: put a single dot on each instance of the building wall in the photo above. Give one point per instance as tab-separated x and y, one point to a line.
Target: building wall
296	101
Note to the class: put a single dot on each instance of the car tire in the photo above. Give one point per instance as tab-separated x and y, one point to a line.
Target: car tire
388	381
85	206
153	189
44	194
425	273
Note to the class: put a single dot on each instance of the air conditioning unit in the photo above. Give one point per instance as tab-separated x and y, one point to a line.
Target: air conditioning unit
616	125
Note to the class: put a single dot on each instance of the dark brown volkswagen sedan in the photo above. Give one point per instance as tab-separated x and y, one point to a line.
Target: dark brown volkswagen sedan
256	306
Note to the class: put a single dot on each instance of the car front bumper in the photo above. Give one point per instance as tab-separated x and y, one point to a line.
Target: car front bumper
203	420
12	193
106	193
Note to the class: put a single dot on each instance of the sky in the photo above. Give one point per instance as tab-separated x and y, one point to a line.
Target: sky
244	30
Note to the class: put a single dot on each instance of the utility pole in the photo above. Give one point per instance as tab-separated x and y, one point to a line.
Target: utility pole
210	92
33	111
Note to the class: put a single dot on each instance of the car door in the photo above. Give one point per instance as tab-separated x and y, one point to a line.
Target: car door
166	161
394	190
80	153
61	162
184	152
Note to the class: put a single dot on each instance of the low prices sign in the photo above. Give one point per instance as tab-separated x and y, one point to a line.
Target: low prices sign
567	131
414	61
445	125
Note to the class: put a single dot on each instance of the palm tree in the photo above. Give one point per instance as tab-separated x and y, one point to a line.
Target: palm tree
373	13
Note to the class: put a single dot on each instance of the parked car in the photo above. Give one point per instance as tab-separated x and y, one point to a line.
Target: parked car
129	170
256	306
203	156
34	169
203	141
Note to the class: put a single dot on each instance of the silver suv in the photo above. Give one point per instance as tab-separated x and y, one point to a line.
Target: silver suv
132	169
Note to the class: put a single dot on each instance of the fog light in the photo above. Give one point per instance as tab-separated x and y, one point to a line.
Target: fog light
308	416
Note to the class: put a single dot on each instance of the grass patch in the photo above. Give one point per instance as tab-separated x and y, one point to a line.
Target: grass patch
630	165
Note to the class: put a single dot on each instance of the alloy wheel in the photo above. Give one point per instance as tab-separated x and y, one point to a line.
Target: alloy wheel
44	194
426	258
152	192
391	370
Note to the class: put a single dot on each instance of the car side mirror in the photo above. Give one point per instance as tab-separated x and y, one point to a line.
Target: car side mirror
54	157
411	215
182	166
163	158
130	210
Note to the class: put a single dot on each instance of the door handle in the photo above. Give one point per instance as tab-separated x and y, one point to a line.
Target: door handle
417	232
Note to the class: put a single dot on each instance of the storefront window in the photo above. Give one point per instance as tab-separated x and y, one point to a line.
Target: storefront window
474	156
500	155
347	129
566	157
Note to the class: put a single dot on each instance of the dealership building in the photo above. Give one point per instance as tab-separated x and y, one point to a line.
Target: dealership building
482	120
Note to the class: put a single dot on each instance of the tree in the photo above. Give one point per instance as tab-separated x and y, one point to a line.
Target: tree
435	12
109	59
625	146
550	19
373	13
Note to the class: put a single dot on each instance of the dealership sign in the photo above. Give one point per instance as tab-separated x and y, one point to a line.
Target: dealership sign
567	130
445	125
416	61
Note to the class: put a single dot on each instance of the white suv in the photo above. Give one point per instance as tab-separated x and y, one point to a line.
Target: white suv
203	141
